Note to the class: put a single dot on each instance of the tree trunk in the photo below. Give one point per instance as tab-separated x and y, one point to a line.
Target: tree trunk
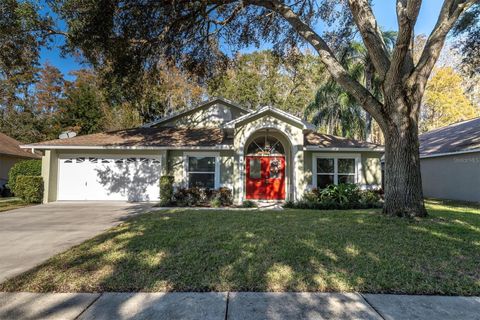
403	182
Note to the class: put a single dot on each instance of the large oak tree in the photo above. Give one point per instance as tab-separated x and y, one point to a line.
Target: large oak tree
128	36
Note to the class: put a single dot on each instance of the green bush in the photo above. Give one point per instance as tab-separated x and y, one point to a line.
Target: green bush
166	190
342	196
29	188
248	204
23	168
215	203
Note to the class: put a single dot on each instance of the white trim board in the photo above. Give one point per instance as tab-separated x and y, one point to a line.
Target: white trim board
318	149
446	154
79	147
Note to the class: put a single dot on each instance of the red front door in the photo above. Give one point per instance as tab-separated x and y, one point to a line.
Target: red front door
265	177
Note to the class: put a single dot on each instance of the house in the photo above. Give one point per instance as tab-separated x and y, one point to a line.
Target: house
263	154
11	153
450	161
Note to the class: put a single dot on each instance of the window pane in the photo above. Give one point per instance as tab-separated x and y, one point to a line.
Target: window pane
255	168
202	164
324	180
346	165
325	165
346	179
201	180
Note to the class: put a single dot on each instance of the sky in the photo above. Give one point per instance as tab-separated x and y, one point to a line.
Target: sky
384	11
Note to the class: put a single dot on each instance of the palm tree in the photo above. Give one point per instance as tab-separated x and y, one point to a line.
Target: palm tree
336	110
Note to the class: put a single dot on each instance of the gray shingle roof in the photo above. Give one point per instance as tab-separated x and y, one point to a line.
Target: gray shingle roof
323	140
144	137
11	147
457	137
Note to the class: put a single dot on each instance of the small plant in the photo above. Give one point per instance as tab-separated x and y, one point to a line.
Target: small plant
215	203
29	188
23	168
225	196
248	204
166	190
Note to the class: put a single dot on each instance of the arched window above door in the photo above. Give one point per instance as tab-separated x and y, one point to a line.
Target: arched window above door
265	146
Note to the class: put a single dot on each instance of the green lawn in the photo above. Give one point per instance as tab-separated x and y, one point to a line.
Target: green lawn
290	250
11	203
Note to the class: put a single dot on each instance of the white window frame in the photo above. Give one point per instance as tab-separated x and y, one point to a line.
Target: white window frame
335	157
215	155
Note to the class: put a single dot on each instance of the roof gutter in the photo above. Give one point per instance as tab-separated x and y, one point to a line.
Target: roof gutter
53	147
445	154
316	148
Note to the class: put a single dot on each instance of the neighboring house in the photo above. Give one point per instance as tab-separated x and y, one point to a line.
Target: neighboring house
264	154
450	161
11	153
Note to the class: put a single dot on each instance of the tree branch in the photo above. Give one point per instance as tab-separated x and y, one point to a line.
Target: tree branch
449	14
371	35
402	59
338	72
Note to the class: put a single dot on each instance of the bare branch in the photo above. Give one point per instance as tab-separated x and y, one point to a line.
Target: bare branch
371	35
338	72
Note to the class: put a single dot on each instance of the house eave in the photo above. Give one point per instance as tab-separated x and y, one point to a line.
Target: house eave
326	149
80	147
445	154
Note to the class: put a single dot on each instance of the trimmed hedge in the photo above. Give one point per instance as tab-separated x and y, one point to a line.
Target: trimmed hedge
23	168
166	190
29	188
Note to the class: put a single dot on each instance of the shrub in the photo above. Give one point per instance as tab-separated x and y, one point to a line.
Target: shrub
342	196
225	196
29	188
370	198
215	203
23	168
248	204
187	197
166	190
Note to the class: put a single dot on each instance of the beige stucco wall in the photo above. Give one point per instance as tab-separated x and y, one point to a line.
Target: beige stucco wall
455	177
176	165
212	116
370	173
50	164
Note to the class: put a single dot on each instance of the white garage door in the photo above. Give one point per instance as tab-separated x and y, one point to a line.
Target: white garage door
109	178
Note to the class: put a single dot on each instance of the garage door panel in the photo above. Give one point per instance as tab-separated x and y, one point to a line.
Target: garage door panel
131	179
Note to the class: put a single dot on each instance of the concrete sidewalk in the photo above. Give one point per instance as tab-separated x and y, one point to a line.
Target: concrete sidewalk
235	305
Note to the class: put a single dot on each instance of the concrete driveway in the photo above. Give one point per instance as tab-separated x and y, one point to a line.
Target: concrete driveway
29	236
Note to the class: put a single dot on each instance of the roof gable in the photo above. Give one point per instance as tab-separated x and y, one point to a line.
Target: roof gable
266	110
214	111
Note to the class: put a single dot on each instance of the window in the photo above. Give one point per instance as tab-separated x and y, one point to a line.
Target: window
201	171
334	169
255	168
